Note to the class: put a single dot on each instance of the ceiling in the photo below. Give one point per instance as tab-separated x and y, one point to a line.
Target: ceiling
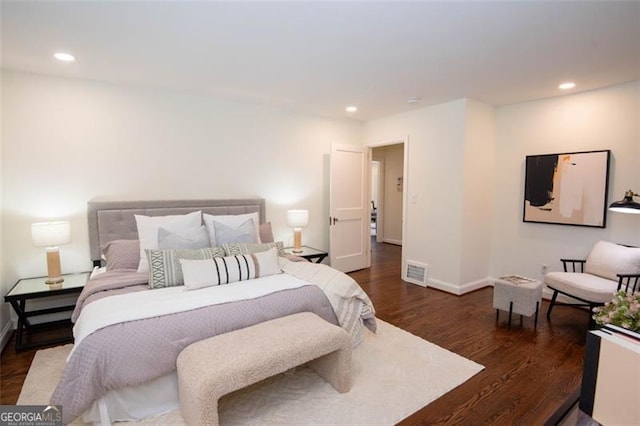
319	57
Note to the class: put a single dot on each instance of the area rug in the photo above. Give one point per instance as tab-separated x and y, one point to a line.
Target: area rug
394	374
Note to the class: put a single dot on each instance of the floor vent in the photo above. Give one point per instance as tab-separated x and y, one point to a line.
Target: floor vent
416	273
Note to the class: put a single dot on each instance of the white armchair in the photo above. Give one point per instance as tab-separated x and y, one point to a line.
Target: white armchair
609	267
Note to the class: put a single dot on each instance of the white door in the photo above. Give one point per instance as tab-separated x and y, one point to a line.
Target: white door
348	205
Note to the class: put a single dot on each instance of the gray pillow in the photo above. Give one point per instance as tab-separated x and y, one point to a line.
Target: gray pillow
170	240
245	233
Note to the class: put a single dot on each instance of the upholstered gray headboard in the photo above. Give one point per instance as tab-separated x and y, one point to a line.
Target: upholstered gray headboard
114	220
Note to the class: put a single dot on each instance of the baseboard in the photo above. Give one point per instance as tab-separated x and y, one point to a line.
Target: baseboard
441	285
459	290
475	285
392	241
5	335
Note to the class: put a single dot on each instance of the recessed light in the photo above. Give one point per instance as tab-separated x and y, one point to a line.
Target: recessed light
351	108
567	85
64	57
413	99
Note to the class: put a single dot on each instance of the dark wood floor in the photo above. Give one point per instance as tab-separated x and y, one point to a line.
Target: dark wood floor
528	374
15	365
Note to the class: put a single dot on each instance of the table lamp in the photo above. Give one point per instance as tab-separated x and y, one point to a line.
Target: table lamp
297	219
50	235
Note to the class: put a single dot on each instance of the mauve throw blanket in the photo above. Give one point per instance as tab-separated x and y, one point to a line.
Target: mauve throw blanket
105	360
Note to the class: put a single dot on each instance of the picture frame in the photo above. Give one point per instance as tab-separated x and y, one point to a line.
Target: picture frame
567	188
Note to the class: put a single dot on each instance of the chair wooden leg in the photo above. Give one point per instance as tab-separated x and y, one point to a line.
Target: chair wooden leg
552	303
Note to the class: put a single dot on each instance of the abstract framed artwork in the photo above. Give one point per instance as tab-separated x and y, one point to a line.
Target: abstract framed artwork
567	189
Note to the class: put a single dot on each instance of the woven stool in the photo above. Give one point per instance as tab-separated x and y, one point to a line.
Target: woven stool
519	295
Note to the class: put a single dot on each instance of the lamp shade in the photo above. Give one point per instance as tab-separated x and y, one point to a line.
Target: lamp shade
50	234
297	218
626	205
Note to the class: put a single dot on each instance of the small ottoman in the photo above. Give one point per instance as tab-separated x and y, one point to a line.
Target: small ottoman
519	295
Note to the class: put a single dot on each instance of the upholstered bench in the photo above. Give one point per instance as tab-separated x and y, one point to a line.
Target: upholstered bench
212	368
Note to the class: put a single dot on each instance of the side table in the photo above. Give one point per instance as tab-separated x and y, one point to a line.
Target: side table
519	295
309	253
36	288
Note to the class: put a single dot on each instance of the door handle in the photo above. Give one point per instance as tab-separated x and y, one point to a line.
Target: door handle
335	219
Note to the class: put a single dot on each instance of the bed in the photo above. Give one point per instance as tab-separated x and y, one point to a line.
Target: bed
128	334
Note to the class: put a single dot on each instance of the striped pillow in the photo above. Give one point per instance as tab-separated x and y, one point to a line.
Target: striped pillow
229	269
165	269
232	249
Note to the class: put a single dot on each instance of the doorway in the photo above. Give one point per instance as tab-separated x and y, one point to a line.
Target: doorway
375	196
387	193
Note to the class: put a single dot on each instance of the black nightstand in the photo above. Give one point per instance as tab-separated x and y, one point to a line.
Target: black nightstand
36	288
309	253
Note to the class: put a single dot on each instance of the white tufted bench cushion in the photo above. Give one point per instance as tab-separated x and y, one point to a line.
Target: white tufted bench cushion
214	367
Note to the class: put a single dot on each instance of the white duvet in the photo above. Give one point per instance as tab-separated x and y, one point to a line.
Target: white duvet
148	304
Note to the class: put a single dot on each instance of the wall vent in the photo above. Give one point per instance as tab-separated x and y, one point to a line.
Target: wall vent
416	273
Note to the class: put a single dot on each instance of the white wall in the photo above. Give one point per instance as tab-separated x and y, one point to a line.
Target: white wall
392	158
469	157
5	324
68	141
435	179
601	119
478	194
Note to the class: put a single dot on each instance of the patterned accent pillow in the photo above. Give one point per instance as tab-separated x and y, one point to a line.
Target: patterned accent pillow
229	269
121	254
233	249
165	269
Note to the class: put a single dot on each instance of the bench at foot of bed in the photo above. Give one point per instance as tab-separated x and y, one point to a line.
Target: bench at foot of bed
212	368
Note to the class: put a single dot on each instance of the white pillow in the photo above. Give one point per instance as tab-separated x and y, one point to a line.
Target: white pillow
184	225
608	259
268	262
232	221
198	273
225	270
